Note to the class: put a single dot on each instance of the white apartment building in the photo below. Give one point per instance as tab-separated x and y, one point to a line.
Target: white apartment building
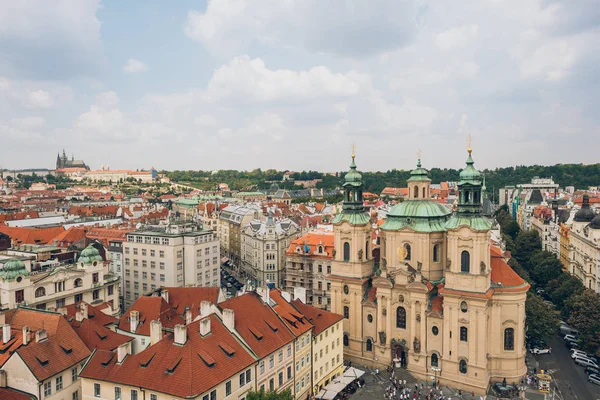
231	220
584	260
176	255
263	248
57	285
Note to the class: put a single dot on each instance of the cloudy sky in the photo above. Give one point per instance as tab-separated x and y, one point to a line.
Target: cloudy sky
242	84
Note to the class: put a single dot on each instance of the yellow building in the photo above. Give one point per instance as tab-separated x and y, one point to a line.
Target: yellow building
565	246
444	304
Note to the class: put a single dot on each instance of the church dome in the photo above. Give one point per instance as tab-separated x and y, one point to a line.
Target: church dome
418	215
12	269
419	174
353	177
595	224
89	255
585	214
469	174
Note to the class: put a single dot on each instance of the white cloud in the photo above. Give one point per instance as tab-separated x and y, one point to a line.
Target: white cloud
134	65
456	37
551	61
33	94
353	28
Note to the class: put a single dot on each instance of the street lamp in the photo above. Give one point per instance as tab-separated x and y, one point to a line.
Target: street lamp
435	370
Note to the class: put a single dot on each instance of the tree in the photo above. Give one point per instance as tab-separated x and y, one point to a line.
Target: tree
540	319
527	243
262	395
514	264
512	229
510	244
585	317
544	267
562	288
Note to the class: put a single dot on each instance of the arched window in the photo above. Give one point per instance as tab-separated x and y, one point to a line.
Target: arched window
434	360
369	345
462	366
39	292
464	334
401	317
465	261
436	252
424	193
407	248
346	340
78	282
346	251
346	312
416	192
509	339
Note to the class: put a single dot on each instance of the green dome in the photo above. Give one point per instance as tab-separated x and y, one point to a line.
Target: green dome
89	255
419	174
353	177
469	174
418	215
12	269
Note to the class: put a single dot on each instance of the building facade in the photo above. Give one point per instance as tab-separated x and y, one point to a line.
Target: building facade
307	264
231	220
444	303
584	261
177	255
263	247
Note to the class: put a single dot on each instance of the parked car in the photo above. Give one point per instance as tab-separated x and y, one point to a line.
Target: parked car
592	370
501	390
570	337
578	353
585	362
540	292
595	379
537	350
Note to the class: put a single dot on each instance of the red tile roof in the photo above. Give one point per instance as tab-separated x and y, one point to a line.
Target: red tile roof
150	309
70	236
107	234
321	319
32	235
293	318
313	240
13	394
503	274
261	329
183	371
437	303
94	313
59	352
182	297
6	350
19	215
96	335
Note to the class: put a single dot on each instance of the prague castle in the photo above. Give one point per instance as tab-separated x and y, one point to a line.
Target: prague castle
442	302
63	162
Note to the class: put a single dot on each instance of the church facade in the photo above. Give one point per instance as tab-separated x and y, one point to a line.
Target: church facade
442	303
64	162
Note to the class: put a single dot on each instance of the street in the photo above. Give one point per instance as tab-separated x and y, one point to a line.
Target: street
571	379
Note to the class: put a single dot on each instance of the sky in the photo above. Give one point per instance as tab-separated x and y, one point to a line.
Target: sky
291	85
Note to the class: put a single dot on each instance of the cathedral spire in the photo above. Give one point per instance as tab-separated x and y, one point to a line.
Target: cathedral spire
353	204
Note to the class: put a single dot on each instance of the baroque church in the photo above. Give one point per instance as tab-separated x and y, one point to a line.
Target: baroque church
442	303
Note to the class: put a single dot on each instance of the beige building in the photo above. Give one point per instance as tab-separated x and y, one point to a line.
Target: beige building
444	304
584	260
327	346
176	255
307	265
57	285
231	220
263	247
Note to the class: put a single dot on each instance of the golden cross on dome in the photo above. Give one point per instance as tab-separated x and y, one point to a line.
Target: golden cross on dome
469	140
419	154
353	151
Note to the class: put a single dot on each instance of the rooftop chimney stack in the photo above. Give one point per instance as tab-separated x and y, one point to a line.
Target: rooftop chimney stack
5	333
155	332
40	335
122	352
205	308
205	326
25	335
134	320
188	315
79	316
229	319
83	307
180	334
266	295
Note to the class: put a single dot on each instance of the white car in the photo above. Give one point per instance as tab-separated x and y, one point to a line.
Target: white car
572	338
578	353
537	350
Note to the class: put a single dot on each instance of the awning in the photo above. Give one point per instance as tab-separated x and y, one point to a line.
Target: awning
330	391
353	373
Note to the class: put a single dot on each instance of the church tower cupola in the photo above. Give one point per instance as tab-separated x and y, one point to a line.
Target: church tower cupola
469	189
418	183
353	208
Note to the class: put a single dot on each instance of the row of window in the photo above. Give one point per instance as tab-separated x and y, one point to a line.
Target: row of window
310	267
334	361
261	366
134	393
320	353
58	383
19	297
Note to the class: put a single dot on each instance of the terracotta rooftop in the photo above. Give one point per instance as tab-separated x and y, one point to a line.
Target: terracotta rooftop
261	329
69	237
321	319
13	394
94	313
313	240
503	274
21	235
150	309
184	371
59	352
97	336
292	317
182	297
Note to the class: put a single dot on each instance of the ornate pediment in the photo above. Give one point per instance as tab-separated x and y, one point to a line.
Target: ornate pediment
345	301
509	322
382	282
463	321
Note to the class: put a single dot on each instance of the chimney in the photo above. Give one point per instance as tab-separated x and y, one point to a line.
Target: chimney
83	307
5	333
205	326
155	332
79	316
266	295
205	308
2	378
180	334
188	315
122	352
165	294
287	296
25	335
229	319
40	335
134	320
